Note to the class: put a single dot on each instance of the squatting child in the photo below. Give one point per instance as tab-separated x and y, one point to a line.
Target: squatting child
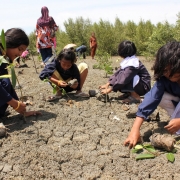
63	69
165	92
132	78
16	42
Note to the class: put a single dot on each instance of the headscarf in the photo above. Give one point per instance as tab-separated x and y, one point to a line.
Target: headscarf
45	19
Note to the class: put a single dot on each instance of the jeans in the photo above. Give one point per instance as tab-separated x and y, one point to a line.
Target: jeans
46	53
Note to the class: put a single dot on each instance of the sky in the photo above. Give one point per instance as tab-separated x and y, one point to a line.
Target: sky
24	13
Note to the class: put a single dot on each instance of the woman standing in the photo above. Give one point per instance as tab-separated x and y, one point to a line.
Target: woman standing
45	32
93	45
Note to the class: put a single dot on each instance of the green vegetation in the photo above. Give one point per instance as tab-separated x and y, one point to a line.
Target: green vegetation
147	36
103	62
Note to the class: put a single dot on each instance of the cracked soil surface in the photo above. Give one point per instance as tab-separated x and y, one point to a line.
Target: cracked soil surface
79	141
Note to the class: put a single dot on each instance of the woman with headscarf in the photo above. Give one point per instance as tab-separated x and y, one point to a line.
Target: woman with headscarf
45	33
93	45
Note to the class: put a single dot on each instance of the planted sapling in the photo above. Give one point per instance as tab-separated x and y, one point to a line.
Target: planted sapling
104	62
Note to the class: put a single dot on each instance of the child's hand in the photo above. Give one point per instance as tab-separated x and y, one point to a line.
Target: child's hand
105	86
173	126
106	91
62	84
21	108
132	139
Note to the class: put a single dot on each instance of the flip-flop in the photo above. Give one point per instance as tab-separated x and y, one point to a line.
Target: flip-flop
53	98
82	94
131	100
123	96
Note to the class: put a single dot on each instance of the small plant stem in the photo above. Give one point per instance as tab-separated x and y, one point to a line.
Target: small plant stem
106	95
34	63
19	86
24	119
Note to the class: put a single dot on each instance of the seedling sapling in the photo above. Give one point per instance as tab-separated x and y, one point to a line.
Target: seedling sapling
151	152
104	63
56	88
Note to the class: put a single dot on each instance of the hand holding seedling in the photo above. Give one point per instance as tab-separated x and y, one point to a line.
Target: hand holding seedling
21	108
105	86
18	106
62	83
106	91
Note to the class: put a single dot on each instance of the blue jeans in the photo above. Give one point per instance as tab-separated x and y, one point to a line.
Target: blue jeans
46	53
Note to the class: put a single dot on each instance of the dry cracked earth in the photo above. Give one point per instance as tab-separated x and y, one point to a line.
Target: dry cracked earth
82	140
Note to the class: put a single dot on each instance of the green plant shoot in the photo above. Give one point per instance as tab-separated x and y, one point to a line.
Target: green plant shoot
5	76
170	157
3	40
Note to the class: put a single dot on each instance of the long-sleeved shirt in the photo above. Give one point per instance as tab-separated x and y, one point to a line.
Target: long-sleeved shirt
154	96
7	91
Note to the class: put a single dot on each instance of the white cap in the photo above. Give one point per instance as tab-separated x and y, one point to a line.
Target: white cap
68	46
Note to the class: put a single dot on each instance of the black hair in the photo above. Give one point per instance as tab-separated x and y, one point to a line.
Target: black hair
16	37
167	56
126	49
68	55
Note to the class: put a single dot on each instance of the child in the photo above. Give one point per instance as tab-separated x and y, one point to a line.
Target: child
132	78
165	92
61	71
16	42
81	50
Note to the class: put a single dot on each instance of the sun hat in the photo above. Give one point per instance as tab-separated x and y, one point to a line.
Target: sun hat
69	46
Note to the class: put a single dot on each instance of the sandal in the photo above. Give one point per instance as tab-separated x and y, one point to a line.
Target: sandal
131	100
53	98
81	94
123	96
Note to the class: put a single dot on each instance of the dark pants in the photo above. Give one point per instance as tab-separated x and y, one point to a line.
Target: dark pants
8	87
141	89
46	53
81	51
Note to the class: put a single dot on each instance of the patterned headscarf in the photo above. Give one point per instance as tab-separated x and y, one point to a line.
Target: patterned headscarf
45	19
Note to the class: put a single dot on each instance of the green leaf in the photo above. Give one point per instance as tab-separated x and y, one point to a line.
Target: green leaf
54	90
3	40
63	92
135	150
144	156
150	149
13	77
148	145
138	147
45	80
3	60
5	76
170	157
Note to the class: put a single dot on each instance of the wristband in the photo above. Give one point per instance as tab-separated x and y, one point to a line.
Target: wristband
17	106
59	82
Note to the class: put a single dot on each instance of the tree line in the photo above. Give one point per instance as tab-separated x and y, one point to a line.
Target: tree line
147	37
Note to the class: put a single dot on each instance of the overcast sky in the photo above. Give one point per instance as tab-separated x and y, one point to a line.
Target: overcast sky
24	13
